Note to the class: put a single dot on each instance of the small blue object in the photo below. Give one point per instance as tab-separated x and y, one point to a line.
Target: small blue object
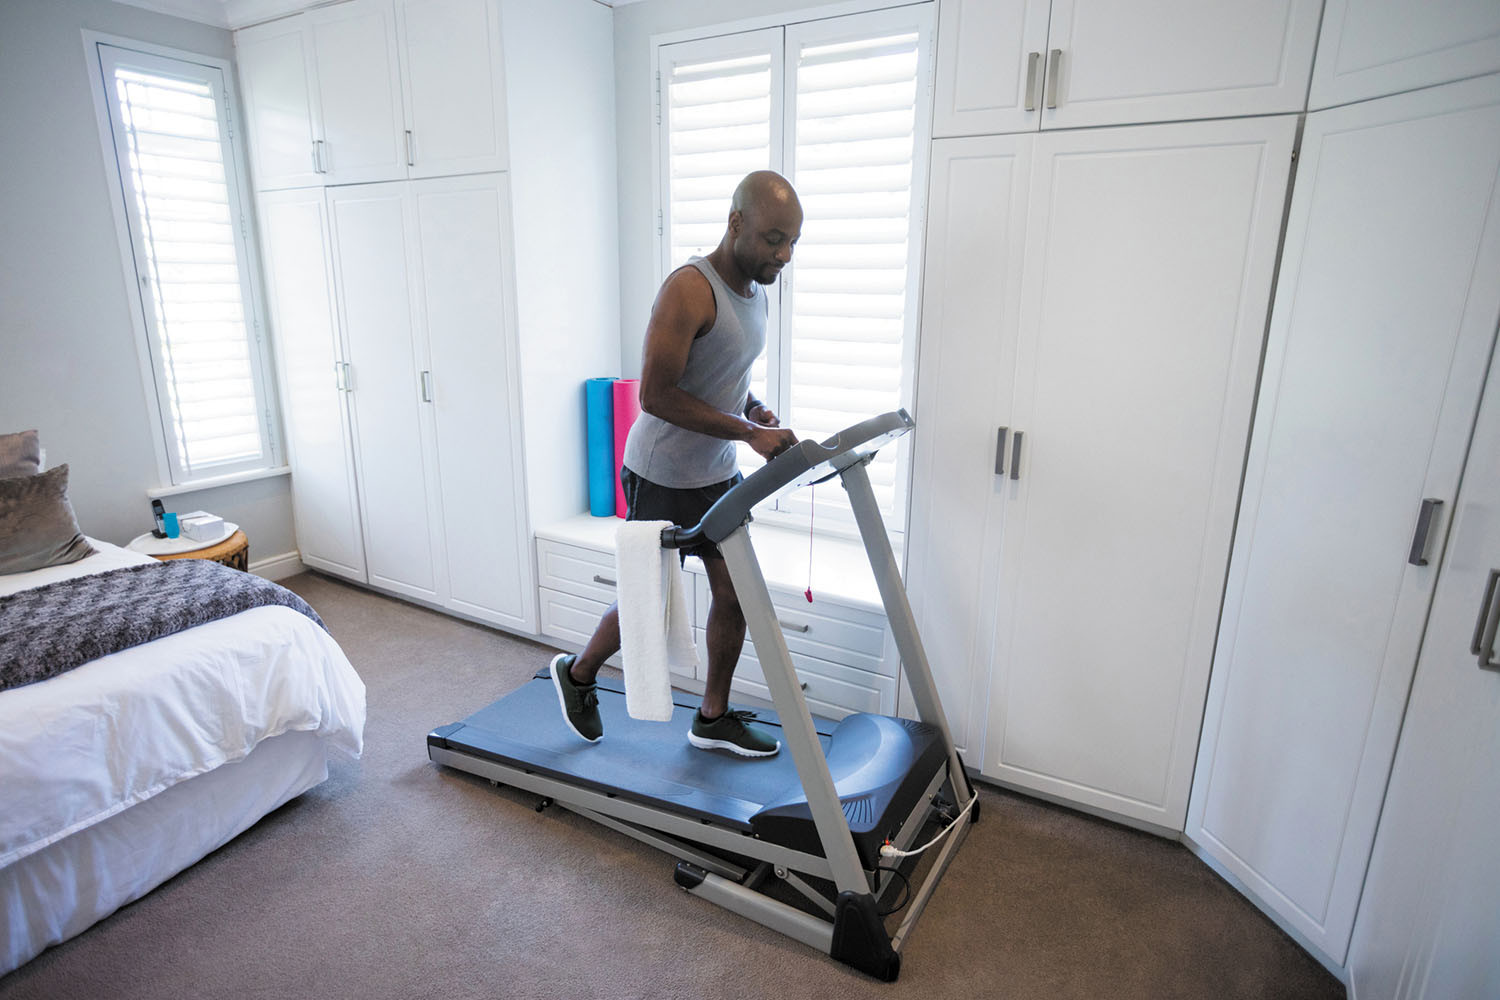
600	407
170	520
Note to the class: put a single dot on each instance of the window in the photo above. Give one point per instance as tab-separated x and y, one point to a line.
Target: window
840	107
171	143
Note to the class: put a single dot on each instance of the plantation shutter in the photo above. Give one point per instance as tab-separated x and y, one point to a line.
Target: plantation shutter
854	114
181	201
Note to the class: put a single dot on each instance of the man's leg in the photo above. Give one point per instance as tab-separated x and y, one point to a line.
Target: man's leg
726	638
604	643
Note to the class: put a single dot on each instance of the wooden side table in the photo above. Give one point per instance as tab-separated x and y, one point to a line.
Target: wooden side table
233	551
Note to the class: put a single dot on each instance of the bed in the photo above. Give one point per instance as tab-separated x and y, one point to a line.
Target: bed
120	773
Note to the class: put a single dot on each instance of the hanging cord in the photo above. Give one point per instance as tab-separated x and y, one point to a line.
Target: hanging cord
905	895
889	850
812	512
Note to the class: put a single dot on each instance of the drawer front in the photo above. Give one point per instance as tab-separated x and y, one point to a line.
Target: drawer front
822	630
568	616
831	689
574	570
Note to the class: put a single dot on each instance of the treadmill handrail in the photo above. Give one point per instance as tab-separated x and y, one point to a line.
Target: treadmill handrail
800	465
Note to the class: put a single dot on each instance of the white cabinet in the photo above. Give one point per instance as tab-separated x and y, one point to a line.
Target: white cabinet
1428	919
1008	66
1385	311
370	90
1374	48
423	275
299	285
1122	367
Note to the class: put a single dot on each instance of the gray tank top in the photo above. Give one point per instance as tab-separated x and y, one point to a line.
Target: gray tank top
717	372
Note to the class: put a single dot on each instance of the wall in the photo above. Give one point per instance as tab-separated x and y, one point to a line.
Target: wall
561	115
68	361
635	123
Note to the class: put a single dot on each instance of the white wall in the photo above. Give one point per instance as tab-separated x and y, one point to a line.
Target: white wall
68	362
560	83
635	122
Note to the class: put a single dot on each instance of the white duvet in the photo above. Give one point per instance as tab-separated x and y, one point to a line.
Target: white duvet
82	746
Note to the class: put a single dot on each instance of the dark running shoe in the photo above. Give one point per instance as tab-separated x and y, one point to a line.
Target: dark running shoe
730	732
580	702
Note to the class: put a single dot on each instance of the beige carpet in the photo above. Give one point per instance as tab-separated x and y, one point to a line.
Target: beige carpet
395	879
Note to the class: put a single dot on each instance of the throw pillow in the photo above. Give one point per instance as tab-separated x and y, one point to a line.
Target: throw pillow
20	454
37	526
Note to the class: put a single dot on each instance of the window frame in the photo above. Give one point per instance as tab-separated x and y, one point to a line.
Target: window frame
797	27
172	474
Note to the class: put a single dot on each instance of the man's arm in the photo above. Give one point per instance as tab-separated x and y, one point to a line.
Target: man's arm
684	308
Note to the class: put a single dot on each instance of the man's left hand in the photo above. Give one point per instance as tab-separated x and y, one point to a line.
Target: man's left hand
762	414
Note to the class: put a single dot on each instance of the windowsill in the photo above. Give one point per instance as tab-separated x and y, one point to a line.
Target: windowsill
216	481
840	568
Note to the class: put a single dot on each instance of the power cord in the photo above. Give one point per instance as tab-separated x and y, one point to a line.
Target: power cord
890	850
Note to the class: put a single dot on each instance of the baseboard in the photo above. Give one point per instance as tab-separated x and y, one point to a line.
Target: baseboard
278	567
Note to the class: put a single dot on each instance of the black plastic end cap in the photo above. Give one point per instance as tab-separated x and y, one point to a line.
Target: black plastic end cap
439	736
860	940
689	876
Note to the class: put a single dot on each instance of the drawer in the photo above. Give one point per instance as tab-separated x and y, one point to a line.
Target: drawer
822	630
572	569
568	616
831	689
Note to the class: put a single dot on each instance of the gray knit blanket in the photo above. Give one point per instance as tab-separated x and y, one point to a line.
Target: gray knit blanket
48	630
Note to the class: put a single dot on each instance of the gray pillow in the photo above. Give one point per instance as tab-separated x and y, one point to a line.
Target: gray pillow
20	454
37	527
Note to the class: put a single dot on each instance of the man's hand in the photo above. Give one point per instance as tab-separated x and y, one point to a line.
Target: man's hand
761	414
769	442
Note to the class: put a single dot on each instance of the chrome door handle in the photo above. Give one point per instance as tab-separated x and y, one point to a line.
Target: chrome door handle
1015	455
1483	643
1418	556
793	628
1000	451
341	375
410	160
1033	59
1054	59
427	387
604	580
318	165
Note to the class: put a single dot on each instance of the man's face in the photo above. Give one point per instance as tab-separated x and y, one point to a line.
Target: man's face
767	234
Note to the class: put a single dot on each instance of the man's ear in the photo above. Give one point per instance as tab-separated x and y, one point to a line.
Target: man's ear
736	222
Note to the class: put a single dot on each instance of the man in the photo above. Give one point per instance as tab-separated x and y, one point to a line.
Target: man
707	327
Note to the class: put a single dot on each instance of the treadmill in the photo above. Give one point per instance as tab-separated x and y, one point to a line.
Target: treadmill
829	819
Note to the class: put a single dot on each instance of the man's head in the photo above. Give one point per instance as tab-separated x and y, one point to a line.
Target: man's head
765	222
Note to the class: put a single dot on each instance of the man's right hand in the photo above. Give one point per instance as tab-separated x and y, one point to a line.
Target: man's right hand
769	442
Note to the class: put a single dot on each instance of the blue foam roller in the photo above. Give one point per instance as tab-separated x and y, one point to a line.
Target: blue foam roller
600	405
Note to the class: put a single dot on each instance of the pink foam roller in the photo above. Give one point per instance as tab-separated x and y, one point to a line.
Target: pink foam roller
627	407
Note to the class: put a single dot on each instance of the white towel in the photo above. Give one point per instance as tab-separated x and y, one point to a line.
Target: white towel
656	634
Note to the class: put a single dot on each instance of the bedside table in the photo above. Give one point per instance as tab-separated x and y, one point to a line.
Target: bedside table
233	551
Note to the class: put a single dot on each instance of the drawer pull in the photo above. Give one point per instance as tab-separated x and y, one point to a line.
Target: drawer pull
604	580
793	628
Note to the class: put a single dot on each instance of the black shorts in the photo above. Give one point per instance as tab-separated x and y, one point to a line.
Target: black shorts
648	501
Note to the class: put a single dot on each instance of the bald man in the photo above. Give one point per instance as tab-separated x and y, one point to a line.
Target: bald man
707	327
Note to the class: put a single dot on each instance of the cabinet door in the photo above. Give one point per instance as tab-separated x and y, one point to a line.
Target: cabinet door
1149	258
372	233
1373	48
465	274
454	80
990	56
278	83
970	310
299	282
1385	309
1428	920
1112	63
359	91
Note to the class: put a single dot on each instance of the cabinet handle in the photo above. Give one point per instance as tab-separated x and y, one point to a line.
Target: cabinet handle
1483	643
1000	451
1032	61
1015	455
341	375
604	580
318	165
427	387
1418	556
410	160
793	628
1053	61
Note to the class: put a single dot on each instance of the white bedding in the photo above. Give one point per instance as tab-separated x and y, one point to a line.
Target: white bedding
82	746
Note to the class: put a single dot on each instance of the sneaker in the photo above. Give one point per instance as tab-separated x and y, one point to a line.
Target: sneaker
580	702
730	732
